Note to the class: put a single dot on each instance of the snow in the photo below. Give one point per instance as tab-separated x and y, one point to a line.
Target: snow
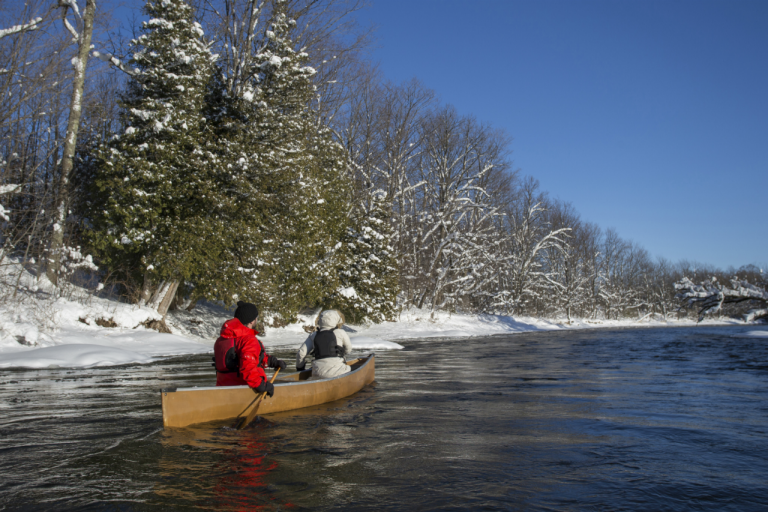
39	330
368	343
75	355
72	4
752	334
32	25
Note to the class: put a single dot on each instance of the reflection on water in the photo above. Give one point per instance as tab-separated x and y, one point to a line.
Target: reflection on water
651	419
238	479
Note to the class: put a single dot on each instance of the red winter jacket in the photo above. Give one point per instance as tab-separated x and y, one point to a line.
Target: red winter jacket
251	355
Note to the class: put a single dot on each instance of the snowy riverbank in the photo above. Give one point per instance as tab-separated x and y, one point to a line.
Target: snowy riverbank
81	330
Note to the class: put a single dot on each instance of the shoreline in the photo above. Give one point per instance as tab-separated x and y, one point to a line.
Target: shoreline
78	345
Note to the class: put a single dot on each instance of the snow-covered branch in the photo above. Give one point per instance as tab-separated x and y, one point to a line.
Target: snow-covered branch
70	28
114	61
710	296
70	4
25	27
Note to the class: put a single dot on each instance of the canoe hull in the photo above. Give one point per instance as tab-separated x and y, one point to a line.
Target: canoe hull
187	406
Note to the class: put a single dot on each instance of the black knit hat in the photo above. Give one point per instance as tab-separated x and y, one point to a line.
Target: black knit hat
246	312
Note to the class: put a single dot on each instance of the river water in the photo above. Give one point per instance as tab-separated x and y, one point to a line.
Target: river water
632	419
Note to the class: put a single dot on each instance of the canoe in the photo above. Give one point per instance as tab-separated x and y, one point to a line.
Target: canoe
187	406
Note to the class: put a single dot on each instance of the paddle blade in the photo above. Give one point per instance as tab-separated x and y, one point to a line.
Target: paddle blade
246	420
252	414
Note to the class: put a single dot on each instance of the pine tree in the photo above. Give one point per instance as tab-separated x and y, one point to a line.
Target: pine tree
157	211
287	177
368	269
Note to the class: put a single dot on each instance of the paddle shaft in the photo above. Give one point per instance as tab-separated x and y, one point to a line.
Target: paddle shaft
252	414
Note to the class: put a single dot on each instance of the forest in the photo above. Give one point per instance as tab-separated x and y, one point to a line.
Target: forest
249	150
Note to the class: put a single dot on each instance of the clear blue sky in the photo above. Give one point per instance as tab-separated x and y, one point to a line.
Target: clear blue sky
651	117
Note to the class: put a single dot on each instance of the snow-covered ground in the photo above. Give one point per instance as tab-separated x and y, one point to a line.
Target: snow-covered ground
39	331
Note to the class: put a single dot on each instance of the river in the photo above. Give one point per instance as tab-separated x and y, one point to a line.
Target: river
624	419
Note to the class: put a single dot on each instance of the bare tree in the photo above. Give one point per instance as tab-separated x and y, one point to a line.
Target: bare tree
566	265
455	210
658	287
530	236
382	131
31	110
79	63
324	29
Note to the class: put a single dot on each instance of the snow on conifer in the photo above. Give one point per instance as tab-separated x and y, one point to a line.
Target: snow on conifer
156	189
286	174
368	267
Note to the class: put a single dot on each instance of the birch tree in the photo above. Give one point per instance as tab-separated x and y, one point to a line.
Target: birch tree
79	63
33	117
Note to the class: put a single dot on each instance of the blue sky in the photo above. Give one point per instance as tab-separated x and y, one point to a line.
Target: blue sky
650	117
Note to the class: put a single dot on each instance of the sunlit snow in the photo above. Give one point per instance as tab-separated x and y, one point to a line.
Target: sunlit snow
752	334
367	343
81	355
38	331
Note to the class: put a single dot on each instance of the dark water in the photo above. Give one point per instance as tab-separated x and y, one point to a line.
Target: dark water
643	419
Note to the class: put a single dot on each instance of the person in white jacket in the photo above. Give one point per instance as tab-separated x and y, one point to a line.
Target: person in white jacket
329	344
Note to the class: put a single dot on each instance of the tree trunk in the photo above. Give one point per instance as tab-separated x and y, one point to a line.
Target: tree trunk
146	290
160	297
160	300
70	143
163	296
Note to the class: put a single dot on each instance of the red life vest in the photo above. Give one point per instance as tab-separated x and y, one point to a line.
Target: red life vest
239	356
225	355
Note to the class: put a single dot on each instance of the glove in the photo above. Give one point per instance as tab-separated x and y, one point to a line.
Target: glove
265	386
274	362
301	368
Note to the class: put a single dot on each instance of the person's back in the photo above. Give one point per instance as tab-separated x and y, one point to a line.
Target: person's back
239	356
329	344
234	336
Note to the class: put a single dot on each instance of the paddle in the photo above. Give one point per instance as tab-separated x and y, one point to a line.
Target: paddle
240	422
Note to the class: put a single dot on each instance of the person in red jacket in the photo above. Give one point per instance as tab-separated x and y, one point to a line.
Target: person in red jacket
239	356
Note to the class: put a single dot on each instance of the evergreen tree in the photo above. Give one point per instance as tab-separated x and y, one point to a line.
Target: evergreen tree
368	269
157	211
287	178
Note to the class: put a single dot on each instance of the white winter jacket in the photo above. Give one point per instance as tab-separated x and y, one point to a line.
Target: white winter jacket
329	366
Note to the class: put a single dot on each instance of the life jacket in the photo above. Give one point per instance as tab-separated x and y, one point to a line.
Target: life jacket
325	345
225	357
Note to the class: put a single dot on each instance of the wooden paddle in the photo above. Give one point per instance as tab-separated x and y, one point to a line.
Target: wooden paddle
242	422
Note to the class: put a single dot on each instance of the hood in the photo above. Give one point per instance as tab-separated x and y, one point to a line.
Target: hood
330	319
234	328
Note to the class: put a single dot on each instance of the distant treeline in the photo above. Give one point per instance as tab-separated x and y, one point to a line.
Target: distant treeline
246	149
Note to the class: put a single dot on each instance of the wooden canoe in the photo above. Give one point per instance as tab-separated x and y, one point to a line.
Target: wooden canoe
187	406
